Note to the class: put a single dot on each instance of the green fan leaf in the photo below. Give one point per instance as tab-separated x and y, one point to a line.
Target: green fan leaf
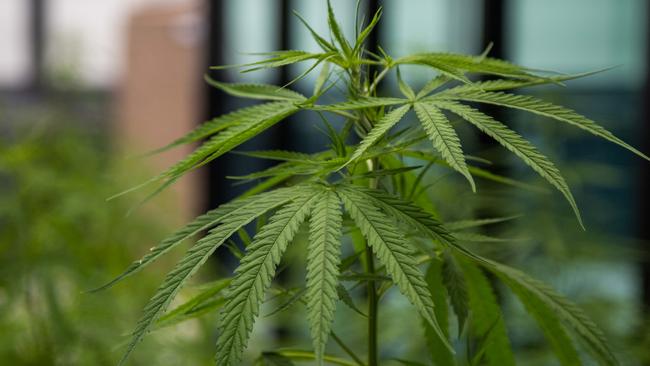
281	155
475	171
407	213
394	253
218	145
229	139
336	30
278	59
361	103
444	69
454	281
190	263
257	91
225	121
206	221
254	275
478	238
548	321
440	354
321	79
506	84
289	168
389	120
444	138
404	88
476	64
323	261
432	85
547	301
367	30
346	299
322	42
295	296
468	224
209	299
486	321
515	143
546	109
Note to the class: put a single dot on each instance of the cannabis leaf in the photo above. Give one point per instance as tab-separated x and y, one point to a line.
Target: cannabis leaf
206	221
253	277
191	262
230	138
394	252
454	281
454	65
280	58
361	103
486	320
505	84
208	300
257	91
323	261
378	222
407	213
547	320
389	120
547	301
431	86
337	32
440	354
543	108
515	143
444	138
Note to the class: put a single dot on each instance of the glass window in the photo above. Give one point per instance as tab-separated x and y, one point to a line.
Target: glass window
89	37
14	43
250	28
315	13
581	35
431	26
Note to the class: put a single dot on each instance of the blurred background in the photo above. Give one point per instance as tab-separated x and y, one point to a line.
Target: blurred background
87	87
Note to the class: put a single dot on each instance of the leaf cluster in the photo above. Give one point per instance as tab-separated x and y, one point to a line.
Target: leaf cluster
347	187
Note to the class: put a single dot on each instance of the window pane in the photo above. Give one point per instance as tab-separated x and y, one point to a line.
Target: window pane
431	26
315	13
581	35
88	37
14	41
250	27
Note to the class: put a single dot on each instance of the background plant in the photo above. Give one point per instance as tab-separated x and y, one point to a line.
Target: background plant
58	237
372	194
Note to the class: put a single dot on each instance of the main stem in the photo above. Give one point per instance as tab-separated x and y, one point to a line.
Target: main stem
372	289
373	298
372	311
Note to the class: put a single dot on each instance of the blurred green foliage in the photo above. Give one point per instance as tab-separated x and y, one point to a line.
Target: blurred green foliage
58	238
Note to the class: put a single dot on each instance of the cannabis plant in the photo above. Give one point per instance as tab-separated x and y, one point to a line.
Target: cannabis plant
367	188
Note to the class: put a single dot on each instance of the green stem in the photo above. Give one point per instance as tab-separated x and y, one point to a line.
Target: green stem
379	77
373	299
309	356
346	349
372	288
372	311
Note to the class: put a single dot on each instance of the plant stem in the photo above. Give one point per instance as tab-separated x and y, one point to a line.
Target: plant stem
372	311
375	82
372	288
309	356
355	78
346	349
